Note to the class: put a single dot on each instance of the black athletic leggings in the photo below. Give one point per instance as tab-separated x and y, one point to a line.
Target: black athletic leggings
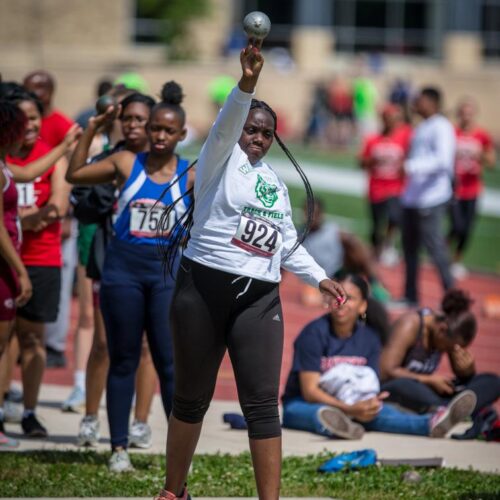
385	215
421	398
213	310
463	215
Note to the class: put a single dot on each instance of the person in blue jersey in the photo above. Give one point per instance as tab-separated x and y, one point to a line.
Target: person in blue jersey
135	293
95	205
227	292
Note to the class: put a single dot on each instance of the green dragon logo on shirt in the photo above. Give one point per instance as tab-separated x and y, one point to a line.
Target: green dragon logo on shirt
265	192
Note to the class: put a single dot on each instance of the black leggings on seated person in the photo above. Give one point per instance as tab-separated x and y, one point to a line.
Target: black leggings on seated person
421	398
213	311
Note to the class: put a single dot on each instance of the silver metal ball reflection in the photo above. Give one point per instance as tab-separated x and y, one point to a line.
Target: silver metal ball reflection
257	25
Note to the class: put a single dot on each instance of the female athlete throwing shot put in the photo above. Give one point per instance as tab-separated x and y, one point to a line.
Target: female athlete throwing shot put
227	297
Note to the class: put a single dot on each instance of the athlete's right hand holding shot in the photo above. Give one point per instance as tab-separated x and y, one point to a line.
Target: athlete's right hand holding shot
227	293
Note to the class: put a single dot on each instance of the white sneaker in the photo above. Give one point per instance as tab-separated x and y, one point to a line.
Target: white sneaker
120	462
140	435
446	417
12	412
458	271
88	435
389	257
339	424
75	401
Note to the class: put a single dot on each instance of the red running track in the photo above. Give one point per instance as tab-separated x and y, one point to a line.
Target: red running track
486	347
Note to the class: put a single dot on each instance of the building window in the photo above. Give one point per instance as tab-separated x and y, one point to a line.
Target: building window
490	28
148	22
392	26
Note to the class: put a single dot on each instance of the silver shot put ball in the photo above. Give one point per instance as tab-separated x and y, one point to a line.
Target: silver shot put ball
257	25
103	103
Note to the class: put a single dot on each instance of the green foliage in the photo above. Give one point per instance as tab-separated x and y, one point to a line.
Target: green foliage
85	474
176	16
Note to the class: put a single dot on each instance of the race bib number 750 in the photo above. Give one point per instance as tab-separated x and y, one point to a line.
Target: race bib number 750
257	235
145	220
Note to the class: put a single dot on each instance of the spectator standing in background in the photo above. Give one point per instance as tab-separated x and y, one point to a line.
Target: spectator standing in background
340	104
364	96
400	93
104	85
428	191
15	284
53	129
382	156
319	115
43	203
475	149
55	124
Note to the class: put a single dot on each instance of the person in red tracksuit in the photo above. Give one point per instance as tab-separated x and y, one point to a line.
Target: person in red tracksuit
475	150
382	156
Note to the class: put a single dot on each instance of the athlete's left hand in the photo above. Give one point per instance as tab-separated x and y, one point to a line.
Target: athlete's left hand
25	290
333	291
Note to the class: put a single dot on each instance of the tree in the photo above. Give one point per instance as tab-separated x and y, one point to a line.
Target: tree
175	16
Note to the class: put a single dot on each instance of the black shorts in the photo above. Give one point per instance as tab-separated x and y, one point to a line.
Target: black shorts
43	307
389	209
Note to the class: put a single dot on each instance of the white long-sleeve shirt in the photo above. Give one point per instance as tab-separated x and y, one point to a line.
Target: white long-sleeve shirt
228	187
429	167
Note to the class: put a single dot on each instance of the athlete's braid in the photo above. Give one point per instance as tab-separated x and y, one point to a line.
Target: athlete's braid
182	227
256	104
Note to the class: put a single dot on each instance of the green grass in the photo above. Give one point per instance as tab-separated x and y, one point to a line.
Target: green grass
352	213
72	473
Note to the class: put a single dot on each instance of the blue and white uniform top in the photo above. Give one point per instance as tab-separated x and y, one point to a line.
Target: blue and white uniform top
140	207
242	215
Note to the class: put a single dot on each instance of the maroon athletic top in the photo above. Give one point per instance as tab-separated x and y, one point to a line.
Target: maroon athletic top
10	217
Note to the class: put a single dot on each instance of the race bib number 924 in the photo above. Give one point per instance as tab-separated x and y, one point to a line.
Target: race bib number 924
257	235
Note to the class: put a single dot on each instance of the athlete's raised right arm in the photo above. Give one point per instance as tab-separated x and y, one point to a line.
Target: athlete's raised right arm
106	170
226	130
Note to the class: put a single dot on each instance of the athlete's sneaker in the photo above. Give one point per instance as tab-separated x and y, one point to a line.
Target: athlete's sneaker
12	412
446	417
32	427
458	271
120	462
339	424
14	395
140	435
168	495
75	400
88	435
7	443
389	257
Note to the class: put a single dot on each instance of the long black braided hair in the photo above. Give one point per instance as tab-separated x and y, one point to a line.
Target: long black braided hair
180	233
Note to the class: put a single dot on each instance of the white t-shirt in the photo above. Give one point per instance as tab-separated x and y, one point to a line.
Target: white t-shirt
430	164
242	212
